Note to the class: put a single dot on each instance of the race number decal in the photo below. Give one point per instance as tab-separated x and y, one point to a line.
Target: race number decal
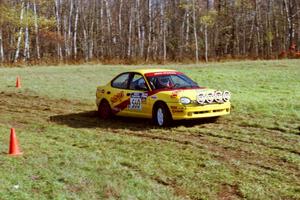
136	101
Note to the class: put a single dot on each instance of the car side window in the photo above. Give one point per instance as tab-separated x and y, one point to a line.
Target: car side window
138	83
121	81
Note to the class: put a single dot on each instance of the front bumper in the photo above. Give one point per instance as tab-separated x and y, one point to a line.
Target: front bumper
195	111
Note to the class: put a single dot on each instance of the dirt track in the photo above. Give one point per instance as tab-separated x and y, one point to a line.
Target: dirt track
26	109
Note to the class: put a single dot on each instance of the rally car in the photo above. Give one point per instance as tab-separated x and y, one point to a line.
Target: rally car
163	95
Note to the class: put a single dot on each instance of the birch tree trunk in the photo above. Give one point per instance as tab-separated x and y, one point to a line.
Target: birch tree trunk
120	17
257	41
206	43
290	21
150	29
65	33
58	25
187	31
69	38
75	32
102	29
163	28
26	47
129	33
298	17
20	32
109	26
244	34
37	41
2	58
270	33
195	33
143	41
140	39
120	24
91	40
85	45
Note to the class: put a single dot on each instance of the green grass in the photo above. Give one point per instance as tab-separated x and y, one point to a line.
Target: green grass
70	154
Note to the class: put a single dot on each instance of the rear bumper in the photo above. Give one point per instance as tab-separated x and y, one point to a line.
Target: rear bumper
180	112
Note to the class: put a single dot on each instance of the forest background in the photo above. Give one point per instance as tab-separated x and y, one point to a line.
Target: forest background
145	31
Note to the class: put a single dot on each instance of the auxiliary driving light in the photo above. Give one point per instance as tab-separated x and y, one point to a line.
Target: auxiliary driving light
226	96
219	96
210	97
201	98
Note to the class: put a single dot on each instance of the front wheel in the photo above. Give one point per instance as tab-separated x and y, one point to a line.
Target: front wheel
104	110
161	115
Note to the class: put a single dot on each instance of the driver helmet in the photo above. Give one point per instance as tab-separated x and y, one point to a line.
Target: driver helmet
164	81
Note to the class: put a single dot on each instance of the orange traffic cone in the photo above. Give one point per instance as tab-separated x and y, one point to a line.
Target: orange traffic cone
18	82
14	149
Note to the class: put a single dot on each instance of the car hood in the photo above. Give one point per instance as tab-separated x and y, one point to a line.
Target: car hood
191	93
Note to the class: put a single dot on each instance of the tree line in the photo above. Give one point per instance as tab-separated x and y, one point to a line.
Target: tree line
146	30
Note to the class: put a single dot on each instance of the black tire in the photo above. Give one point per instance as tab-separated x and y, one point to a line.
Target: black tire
104	110
161	115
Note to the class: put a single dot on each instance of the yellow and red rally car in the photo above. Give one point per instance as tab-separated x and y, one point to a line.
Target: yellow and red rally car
163	95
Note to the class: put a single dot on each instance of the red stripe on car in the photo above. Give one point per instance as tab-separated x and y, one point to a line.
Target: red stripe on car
124	104
162	73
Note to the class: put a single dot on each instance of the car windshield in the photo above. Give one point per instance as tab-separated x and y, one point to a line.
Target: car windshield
170	81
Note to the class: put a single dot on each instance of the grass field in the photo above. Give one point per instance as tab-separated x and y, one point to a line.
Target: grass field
71	154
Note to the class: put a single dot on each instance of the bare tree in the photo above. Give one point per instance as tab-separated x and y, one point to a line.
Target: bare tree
58	26
2	58
20	32
150	29
36	26
75	32
195	33
26	48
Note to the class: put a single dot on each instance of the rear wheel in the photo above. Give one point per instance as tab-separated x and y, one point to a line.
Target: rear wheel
161	115
104	110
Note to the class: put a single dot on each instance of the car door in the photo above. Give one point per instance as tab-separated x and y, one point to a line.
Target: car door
139	102
118	95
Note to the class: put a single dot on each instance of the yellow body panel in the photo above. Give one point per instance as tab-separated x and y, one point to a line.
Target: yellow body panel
120	101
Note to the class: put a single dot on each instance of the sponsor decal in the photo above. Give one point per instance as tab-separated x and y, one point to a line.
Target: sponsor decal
154	97
177	111
117	97
162	73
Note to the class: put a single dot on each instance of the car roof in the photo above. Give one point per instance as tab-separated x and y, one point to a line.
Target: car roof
145	71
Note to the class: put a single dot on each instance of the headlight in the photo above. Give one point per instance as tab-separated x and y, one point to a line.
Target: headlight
219	96
185	100
210	97
226	96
